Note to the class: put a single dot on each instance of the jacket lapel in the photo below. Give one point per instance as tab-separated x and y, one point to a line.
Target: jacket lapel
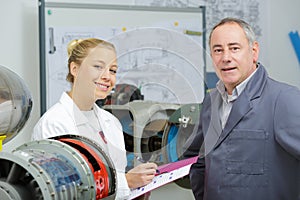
243	103
214	129
240	108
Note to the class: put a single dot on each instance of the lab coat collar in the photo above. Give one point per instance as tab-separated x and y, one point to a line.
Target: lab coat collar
80	119
73	109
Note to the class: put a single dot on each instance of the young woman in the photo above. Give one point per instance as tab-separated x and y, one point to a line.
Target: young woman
92	67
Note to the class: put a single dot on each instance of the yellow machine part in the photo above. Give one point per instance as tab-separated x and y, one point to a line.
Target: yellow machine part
2	137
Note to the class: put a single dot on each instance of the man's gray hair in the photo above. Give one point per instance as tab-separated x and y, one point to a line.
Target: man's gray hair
250	35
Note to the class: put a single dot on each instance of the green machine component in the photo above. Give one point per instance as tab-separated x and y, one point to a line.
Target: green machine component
181	125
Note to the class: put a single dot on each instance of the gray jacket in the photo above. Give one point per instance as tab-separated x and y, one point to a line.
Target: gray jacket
256	155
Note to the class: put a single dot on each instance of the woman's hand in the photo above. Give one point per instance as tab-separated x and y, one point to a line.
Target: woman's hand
141	175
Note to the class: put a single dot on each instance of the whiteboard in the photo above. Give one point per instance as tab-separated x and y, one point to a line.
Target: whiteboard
159	50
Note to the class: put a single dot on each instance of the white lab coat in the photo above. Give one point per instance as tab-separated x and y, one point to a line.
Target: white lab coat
65	118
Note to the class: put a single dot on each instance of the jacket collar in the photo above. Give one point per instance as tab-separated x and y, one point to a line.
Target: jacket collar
256	84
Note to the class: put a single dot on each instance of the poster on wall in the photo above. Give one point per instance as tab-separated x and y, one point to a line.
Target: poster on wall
158	51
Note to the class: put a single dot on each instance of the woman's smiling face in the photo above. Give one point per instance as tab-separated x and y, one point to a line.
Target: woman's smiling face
96	76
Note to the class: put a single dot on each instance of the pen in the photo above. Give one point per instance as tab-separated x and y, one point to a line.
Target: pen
140	159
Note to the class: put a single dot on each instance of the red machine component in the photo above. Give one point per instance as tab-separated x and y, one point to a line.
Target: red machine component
98	167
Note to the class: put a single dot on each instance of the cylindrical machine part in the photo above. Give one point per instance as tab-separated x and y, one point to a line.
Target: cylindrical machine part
63	168
15	103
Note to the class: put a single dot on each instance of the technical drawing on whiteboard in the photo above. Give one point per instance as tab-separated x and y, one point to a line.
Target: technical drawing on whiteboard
166	64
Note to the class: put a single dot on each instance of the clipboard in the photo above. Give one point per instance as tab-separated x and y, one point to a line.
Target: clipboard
167	173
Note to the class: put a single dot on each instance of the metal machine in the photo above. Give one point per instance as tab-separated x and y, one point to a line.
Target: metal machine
68	167
15	104
61	168
143	124
156	132
74	167
181	125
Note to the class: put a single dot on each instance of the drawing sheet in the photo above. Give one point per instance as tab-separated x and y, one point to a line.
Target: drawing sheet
159	51
168	173
161	180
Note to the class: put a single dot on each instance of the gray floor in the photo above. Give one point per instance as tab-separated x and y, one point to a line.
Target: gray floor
171	191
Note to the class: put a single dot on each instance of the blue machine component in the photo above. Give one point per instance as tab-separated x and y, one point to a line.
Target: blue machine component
62	173
295	39
172	143
130	161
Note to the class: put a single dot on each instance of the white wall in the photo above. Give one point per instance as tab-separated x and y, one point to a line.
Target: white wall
20	53
20	49
285	17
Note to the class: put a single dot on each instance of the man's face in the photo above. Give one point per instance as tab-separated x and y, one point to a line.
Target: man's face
234	59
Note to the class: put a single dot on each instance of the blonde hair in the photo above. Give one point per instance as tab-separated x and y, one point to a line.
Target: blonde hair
79	49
